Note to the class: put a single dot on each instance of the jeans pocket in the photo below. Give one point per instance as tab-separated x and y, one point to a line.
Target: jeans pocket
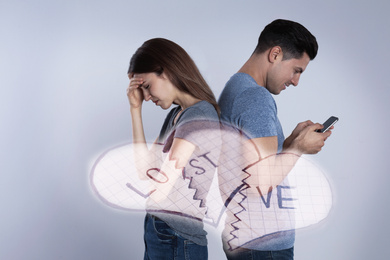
163	231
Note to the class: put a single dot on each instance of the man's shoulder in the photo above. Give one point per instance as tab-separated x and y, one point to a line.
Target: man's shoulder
244	83
241	87
242	80
244	100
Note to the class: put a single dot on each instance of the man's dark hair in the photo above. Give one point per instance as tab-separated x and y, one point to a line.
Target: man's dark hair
292	37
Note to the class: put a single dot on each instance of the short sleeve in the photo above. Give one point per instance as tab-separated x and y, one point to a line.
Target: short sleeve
198	124
256	113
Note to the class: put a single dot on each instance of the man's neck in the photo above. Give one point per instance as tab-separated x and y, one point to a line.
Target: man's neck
256	67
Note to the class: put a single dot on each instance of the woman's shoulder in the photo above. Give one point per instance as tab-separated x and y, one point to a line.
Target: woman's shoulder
197	123
200	110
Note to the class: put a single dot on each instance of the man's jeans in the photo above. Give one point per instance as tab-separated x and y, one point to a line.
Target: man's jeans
247	254
162	242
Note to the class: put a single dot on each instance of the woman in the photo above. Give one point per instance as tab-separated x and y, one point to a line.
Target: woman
163	72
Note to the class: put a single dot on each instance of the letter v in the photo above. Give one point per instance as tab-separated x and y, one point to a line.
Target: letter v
266	203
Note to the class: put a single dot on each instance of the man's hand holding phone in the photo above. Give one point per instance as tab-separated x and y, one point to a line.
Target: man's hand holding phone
309	138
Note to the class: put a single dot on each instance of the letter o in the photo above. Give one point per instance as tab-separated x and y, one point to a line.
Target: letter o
159	171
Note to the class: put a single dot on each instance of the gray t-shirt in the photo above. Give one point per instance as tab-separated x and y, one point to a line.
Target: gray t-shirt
198	124
250	109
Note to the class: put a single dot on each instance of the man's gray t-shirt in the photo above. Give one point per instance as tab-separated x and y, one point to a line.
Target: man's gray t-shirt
251	109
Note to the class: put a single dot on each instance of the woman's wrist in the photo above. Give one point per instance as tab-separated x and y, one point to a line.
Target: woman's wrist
135	110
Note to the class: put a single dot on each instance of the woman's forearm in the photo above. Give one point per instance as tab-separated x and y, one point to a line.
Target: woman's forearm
137	125
143	157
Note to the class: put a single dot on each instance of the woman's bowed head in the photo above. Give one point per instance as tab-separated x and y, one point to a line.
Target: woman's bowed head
162	71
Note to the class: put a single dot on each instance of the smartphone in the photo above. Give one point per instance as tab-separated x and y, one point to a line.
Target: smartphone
328	124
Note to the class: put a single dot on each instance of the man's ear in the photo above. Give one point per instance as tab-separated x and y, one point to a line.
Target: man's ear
275	53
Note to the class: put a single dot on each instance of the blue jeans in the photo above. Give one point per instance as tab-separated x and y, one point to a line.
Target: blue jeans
162	242
247	254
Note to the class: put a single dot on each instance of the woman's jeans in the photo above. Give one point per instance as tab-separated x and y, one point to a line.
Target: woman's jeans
247	254
162	242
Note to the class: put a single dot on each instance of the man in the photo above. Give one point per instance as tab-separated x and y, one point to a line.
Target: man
282	54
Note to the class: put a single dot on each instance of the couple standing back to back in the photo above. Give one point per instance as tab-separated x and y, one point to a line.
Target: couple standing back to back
283	52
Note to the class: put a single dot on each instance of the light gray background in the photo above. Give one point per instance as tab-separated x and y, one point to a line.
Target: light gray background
62	103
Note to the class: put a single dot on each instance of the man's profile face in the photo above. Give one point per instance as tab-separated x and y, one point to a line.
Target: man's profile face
285	73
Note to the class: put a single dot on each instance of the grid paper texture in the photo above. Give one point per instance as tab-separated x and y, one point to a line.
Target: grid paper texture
302	199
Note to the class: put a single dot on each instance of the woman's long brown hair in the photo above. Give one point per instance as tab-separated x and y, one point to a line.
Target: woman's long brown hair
160	55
